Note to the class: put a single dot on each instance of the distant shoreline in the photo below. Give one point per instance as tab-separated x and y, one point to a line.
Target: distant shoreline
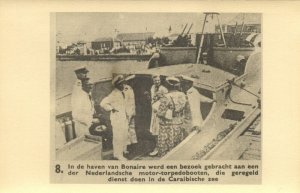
103	57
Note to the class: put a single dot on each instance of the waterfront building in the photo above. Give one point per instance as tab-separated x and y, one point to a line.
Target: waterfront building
134	41
71	49
105	43
82	47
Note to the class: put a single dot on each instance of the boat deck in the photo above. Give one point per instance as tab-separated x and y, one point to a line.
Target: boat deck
199	144
203	74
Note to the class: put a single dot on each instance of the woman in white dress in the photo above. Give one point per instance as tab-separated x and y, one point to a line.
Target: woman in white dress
157	91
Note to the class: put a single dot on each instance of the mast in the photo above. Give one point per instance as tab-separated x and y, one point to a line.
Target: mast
222	33
202	33
202	38
243	24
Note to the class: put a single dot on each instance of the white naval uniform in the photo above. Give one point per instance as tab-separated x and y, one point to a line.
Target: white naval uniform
195	99
130	113
129	101
116	100
82	109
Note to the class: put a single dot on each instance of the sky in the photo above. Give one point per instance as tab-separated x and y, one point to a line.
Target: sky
73	27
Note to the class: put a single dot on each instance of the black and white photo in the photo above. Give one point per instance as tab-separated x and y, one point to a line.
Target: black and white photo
157	87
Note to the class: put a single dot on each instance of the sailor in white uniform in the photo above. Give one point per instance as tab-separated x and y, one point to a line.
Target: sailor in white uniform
81	103
81	73
130	114
83	109
195	99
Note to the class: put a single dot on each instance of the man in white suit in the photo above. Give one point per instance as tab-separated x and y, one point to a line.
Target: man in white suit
115	104
195	99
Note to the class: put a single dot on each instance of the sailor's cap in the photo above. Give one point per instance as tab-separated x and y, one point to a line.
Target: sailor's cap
118	79
130	77
81	69
172	80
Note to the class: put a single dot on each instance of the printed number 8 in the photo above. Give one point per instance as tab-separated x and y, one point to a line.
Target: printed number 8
57	168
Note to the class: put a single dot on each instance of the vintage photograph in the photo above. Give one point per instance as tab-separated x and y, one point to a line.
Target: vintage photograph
144	96
157	86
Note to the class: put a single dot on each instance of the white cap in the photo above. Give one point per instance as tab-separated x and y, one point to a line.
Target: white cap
118	79
172	80
130	77
187	78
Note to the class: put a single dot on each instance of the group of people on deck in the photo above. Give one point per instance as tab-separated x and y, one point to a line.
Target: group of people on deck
170	107
120	103
169	104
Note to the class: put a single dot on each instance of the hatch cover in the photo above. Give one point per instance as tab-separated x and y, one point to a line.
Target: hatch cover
233	114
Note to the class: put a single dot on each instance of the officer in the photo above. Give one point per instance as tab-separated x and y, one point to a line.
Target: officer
81	73
82	104
195	99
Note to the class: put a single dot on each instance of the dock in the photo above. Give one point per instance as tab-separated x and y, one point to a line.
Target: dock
104	57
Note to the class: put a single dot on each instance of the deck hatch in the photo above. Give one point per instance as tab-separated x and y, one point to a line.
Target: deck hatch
233	114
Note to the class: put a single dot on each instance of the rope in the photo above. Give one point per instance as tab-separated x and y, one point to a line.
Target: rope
245	90
240	103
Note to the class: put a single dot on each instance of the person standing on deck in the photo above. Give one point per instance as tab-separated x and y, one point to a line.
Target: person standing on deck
115	104
171	112
157	91
83	108
80	119
194	99
81	73
130	114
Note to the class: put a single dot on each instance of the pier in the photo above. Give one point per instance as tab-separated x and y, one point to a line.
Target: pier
104	57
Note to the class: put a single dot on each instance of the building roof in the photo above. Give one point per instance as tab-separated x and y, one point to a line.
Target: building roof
106	39
134	36
248	18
